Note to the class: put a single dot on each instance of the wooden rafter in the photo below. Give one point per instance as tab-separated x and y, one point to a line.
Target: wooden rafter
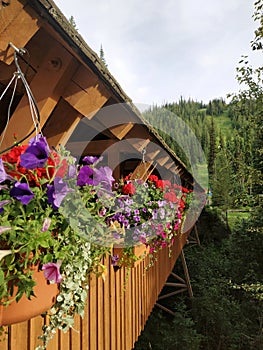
142	171
121	130
86	93
19	15
47	87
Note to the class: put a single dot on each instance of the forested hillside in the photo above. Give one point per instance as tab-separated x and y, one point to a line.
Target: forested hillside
227	136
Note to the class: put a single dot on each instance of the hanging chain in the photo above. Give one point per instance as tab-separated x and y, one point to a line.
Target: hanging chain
32	102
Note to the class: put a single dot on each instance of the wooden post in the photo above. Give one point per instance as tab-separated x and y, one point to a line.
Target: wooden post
183	286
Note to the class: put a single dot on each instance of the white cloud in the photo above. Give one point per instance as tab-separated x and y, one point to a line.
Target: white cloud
161	50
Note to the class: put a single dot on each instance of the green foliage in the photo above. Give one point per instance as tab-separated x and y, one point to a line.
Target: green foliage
72	22
212	226
227	280
226	312
102	57
216	107
163	332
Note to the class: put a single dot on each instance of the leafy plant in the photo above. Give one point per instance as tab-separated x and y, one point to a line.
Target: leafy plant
52	217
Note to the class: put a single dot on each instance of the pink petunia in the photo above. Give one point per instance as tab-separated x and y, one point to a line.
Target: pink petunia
4	228
46	224
52	271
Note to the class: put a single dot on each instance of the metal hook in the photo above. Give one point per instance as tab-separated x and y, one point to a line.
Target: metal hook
143	155
20	51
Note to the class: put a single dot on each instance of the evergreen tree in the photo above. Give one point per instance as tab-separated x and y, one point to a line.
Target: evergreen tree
102	57
251	98
212	152
72	22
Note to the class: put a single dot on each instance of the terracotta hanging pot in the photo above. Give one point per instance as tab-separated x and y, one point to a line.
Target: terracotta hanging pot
24	309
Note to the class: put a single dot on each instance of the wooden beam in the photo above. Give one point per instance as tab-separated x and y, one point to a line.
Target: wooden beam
162	160
58	128
18	23
139	144
114	163
98	126
139	131
165	309
10	13
86	93
175	169
152	155
169	165
89	147
47	87
120	131
112	115
142	171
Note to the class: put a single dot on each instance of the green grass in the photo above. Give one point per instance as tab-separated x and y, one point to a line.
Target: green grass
224	124
201	175
235	216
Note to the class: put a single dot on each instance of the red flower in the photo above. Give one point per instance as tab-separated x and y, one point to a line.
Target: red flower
181	205
185	190
53	163
129	188
162	183
171	197
153	178
13	156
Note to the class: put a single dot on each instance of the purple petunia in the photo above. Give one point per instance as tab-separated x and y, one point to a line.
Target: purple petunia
3	175
57	192
128	211
103	176
36	154
84	176
72	171
162	213
22	192
90	160
114	260
52	271
136	218
3	203
155	214
161	203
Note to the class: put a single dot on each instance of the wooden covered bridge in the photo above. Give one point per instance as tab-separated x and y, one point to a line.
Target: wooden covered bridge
81	106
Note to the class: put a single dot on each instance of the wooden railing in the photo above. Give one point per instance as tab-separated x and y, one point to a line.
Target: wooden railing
114	317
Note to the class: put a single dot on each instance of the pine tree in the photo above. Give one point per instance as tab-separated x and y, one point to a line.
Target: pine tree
251	99
212	152
102	57
72	22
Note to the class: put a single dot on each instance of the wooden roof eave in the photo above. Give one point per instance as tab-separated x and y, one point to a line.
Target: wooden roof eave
53	19
48	10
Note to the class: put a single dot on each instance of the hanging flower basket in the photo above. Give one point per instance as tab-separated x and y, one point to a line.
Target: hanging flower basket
45	296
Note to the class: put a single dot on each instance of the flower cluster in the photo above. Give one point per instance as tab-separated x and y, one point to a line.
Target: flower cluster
51	216
63	217
148	212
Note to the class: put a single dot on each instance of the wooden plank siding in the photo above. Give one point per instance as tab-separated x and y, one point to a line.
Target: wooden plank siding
116	312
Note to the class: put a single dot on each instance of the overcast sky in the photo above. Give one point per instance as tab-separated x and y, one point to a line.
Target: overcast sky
161	50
